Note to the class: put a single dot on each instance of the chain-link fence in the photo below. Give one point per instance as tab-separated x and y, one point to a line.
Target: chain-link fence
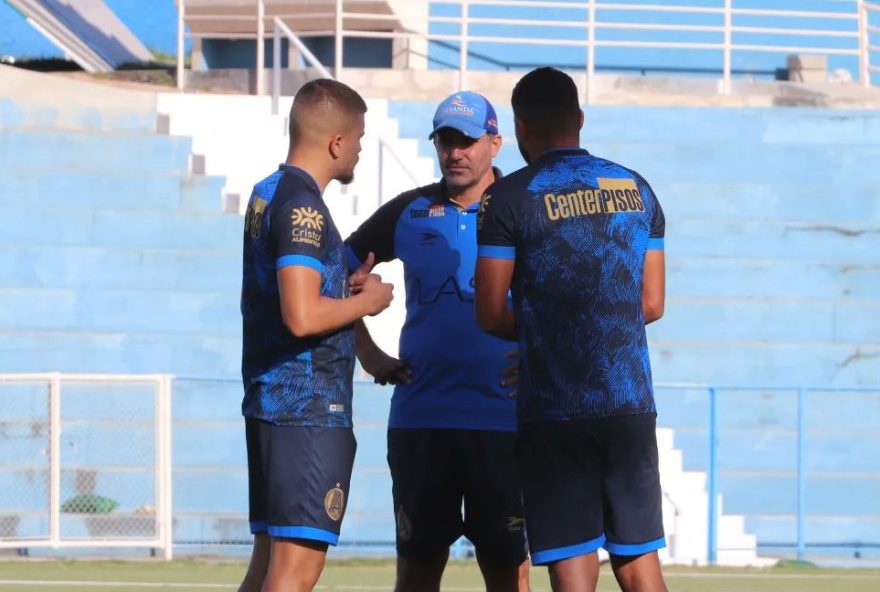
86	461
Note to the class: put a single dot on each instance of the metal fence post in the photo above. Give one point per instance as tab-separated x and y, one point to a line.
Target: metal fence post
261	47
55	460
276	65
712	536
337	42
864	43
728	46
180	57
463	56
591	51
801	475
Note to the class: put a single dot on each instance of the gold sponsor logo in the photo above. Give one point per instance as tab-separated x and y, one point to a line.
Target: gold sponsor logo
334	503
484	204
308	217
253	218
307	226
613	196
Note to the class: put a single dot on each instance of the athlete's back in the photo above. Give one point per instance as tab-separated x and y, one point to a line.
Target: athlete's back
581	227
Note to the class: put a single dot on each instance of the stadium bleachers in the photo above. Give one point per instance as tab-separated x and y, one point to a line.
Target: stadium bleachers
115	258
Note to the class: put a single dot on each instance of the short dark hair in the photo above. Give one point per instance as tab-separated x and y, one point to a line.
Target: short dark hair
546	100
331	95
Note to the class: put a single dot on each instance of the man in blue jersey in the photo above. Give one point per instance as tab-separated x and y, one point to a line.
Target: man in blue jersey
452	422
579	239
299	348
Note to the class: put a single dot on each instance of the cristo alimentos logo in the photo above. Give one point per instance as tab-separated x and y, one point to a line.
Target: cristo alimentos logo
308	217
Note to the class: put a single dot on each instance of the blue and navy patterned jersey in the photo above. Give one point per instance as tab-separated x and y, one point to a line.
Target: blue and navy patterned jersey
456	368
578	228
290	380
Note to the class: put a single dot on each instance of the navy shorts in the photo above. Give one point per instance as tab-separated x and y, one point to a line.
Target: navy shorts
298	479
590	483
434	470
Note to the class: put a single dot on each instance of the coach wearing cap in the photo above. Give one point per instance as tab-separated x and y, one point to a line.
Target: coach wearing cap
453	419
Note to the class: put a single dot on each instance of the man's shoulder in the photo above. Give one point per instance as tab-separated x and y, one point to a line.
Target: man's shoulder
429	191
390	211
604	166
516	181
294	190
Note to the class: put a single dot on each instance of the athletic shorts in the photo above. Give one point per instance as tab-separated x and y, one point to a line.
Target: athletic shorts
590	483
298	479
435	470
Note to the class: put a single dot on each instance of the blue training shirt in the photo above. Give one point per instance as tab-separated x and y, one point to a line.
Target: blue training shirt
290	380
578	228
457	368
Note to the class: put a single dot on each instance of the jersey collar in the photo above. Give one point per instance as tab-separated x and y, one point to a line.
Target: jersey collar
559	152
302	174
441	195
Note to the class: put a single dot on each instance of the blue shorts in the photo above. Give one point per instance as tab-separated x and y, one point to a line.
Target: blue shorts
590	483
437	471
298	480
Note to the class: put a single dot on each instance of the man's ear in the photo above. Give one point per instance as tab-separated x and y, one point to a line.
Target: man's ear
497	140
581	118
335	146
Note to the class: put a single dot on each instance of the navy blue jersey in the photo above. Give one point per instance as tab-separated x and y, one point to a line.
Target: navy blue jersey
456	368
290	380
578	228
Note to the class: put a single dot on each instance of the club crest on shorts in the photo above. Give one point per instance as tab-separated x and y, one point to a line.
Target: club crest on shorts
404	526
515	523
334	503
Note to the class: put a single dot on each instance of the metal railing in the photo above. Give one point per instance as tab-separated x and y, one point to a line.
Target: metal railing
281	29
797	412
588	25
799	405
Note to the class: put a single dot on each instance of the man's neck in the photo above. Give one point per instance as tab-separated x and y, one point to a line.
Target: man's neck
468	196
307	164
560	143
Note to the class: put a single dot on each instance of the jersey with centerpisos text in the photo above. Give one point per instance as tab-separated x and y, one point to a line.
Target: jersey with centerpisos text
578	228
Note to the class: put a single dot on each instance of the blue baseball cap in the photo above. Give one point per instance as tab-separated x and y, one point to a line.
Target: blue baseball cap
467	112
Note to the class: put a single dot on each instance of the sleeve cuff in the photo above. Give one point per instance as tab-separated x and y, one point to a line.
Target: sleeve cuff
303	260
496	252
655	244
353	260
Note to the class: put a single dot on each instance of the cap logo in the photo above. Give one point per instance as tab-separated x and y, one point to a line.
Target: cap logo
457	105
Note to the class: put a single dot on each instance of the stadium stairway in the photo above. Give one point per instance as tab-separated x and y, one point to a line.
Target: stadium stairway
114	256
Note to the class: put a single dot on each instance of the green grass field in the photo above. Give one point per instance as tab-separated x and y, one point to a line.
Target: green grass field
210	576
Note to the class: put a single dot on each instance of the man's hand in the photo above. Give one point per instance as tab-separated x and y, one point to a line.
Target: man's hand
510	375
356	280
378	293
385	369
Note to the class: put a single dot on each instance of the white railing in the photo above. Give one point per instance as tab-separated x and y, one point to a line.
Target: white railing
870	25
73	449
279	29
589	25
